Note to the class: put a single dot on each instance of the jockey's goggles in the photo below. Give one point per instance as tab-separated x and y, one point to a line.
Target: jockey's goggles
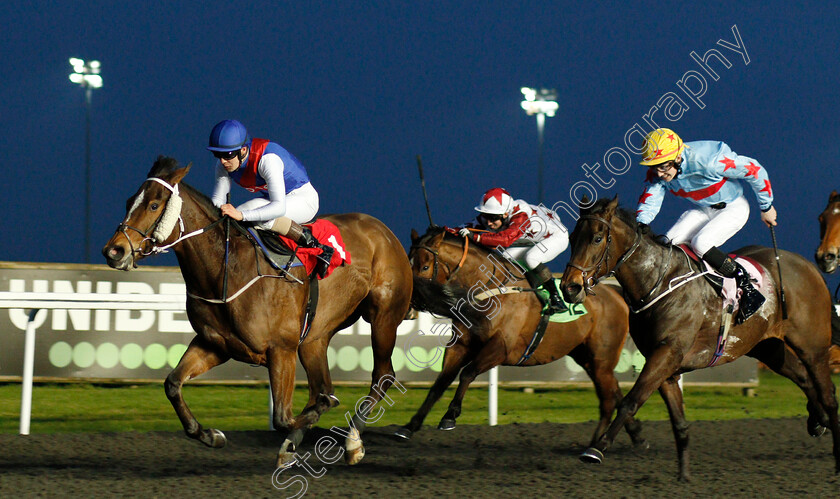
227	155
663	167
490	217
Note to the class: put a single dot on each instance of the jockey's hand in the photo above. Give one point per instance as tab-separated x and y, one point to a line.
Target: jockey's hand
769	217
644	228
229	210
465	232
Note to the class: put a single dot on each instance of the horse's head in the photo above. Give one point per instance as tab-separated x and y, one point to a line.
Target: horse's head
425	255
829	249
151	216
602	237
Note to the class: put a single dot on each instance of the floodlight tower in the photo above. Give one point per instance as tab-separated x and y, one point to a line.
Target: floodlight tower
87	75
540	102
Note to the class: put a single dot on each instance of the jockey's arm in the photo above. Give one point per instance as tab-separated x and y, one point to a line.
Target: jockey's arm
271	170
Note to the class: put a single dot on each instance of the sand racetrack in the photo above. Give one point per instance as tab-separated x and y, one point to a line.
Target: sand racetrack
755	458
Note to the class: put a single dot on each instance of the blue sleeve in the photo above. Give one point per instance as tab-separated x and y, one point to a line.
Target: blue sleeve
650	202
730	165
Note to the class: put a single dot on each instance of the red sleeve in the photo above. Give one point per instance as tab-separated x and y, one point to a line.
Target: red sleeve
508	236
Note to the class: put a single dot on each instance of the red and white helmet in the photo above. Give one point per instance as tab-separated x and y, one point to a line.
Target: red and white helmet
496	201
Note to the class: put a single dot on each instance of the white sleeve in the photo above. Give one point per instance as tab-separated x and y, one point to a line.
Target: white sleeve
271	170
222	187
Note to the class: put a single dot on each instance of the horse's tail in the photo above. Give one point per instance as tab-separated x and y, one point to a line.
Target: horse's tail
445	300
835	325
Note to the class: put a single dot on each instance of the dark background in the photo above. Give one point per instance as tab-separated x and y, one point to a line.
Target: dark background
357	89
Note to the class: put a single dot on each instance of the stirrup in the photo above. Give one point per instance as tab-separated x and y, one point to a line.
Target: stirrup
751	300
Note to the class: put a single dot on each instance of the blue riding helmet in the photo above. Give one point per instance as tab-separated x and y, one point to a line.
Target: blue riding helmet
228	135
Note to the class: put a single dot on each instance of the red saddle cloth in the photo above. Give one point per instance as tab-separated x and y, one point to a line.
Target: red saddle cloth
327	234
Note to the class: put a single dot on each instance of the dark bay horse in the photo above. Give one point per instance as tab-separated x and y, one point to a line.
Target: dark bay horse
829	249
827	256
497	331
678	331
262	324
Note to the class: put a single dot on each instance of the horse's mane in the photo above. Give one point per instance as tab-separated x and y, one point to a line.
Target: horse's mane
164	165
625	216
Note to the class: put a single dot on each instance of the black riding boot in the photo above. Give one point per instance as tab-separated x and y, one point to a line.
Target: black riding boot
751	299
542	275
303	236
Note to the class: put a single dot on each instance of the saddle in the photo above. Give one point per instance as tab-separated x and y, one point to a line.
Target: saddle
725	287
280	256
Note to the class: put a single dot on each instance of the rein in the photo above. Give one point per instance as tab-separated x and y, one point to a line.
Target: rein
158	238
436	253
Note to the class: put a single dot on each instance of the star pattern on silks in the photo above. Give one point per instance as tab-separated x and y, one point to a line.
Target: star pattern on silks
495	194
730	163
671	137
644	197
752	169
767	188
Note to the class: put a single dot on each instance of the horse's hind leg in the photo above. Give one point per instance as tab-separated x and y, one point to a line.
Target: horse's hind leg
609	396
489	356
775	355
385	309
673	397
453	359
197	359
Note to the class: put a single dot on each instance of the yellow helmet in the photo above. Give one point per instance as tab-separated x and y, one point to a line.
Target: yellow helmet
661	145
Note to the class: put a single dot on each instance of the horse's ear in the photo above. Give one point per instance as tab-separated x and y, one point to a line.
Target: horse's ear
584	202
414	236
180	173
833	196
609	209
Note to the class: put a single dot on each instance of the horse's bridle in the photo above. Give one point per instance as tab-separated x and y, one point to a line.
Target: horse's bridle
592	280
155	238
435	253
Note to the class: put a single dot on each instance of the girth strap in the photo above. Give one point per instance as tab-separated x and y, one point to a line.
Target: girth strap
535	340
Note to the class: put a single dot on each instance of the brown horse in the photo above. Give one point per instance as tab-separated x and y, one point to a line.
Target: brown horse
827	259
498	331
829	249
677	327
259	321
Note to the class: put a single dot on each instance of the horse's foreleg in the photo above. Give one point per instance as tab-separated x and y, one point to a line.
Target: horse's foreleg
659	366
672	395
197	359
492	354
609	396
453	359
313	358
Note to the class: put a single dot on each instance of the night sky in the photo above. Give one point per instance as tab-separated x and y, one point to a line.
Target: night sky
356	90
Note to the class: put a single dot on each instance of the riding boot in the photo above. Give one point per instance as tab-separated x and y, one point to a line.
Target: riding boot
542	276
751	299
303	236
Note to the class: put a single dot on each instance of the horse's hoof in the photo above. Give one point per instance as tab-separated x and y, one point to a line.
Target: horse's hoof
817	430
285	460
213	438
403	433
446	424
592	455
354	450
641	446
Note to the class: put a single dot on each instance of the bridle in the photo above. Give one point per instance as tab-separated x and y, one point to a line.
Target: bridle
589	281
436	253
158	236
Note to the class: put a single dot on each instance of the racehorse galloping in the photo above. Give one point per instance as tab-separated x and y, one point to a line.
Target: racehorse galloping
446	266
829	249
263	324
679	332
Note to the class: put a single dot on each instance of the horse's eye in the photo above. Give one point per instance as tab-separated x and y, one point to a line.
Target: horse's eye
597	239
154	206
425	267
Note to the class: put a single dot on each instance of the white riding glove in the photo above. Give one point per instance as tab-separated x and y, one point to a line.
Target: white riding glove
465	232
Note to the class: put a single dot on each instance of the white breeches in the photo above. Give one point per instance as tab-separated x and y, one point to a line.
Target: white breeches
543	252
301	205
704	227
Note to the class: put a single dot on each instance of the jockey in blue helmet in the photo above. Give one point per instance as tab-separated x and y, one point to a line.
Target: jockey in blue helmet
285	197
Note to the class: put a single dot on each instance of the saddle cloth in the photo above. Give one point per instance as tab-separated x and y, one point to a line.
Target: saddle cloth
326	233
726	286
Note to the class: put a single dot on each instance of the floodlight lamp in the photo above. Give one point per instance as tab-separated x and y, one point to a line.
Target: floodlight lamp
529	93
93	81
77	78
